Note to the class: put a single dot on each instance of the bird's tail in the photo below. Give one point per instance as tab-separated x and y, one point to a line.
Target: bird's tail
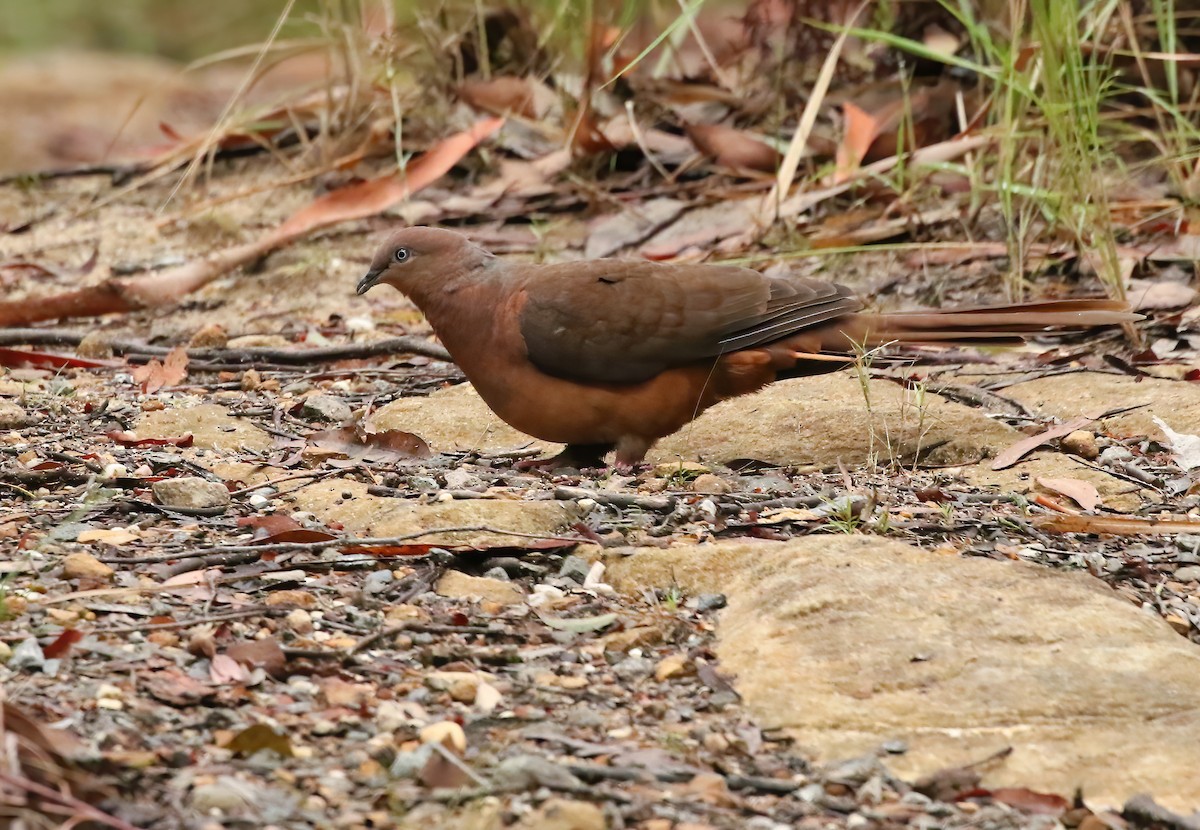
996	324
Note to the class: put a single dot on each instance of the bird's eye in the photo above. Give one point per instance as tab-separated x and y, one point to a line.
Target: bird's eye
401	255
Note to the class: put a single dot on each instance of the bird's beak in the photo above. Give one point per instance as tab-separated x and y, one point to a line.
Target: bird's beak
368	281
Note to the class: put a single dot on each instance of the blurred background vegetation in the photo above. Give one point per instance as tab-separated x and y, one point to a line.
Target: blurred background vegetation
179	29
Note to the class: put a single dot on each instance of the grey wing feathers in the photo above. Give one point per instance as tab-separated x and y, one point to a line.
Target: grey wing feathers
794	306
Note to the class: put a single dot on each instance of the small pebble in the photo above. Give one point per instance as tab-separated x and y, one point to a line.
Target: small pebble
710	602
1188	573
575	568
12	416
633	668
326	408
377	581
1112	455
27	655
710	485
85	566
1082	443
190	492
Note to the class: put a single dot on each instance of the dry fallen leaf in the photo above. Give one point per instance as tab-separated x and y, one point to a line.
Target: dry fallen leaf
170	372
257	737
276	527
505	94
1082	492
116	536
224	670
733	148
1022	448
386	445
1185	447
264	654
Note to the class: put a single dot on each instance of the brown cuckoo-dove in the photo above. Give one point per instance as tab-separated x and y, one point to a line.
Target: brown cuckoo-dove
612	354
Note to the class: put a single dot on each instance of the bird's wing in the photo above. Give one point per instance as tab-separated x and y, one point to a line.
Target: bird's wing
625	322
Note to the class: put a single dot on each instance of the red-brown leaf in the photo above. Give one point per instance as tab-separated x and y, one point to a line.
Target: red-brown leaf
171	371
46	360
388	445
130	440
276	527
62	643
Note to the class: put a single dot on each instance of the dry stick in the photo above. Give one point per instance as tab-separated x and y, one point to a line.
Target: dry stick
419	627
652	503
735	782
263	611
288	357
349	541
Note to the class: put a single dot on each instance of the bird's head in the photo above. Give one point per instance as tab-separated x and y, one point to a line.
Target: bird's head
416	260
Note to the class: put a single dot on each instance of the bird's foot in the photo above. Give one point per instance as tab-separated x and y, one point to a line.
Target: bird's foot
578	456
631	455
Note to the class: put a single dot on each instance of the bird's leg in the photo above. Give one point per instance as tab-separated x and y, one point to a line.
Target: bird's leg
579	456
631	451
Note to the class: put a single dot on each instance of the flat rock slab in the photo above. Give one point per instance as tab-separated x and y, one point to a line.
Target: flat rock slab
362	514
850	641
210	424
1091	393
455	419
827	419
818	421
1115	493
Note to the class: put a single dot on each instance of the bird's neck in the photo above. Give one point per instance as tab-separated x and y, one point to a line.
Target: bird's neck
464	308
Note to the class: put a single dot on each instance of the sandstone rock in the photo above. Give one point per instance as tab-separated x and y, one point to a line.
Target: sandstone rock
805	421
454	419
85	566
460	685
326	408
209	336
259	341
12	416
825	419
1092	393
639	636
96	345
1115	493
458	585
673	665
1082	443
848	642
211	427
190	492
564	814
349	503
710	485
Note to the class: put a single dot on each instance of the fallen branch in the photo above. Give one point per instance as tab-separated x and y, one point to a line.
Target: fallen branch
345	542
286	357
